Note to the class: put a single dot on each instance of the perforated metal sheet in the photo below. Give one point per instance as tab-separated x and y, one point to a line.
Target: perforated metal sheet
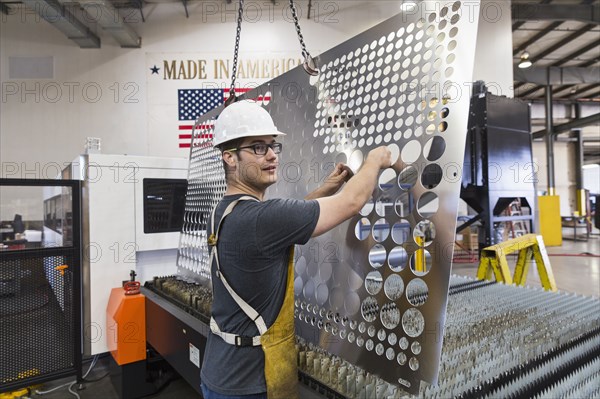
374	289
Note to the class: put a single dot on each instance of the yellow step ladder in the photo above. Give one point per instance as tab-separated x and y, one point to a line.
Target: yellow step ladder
493	259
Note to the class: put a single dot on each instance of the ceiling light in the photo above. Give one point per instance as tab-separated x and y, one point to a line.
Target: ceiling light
525	61
408	5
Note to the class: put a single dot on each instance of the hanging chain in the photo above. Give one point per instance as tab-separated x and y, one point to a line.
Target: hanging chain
310	64
232	97
305	52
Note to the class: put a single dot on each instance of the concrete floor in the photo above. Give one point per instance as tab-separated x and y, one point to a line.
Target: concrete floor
575	264
576	267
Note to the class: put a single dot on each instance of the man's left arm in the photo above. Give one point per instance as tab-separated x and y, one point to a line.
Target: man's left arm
341	174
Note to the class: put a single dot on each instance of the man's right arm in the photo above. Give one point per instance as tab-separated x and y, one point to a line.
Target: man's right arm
355	194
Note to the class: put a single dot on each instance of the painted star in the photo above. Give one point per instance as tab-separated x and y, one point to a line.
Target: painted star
154	70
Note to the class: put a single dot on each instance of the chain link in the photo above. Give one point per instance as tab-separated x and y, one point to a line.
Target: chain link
236	51
305	52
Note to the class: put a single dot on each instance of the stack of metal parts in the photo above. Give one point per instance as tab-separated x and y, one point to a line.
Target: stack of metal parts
499	341
187	294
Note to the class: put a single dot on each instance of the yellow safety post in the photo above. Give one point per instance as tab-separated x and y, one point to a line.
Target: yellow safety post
420	255
494	259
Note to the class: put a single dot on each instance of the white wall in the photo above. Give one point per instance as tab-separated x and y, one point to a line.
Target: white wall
493	54
43	125
564	173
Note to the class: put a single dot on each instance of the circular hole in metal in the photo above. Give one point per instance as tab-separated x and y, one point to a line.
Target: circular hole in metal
452	45
363	229
381	334
431	116
377	256
408	177
401	358
312	269
397	259
413	322
413	363
386	179
442	24
434	148
322	294
455	18
336	300
424	233
356	159
428	205
390	354
379	349
445	112
352	304
371	331
450	58
444	12
411	151
381	206
443	126
421	262
309	290
373	282
417	292
298	285
395	152
351	337
403	343
381	230
360	341
401	231
456	6
390	315
300	265
369	345
392	338
431	176
401	206
368	208
440	37
369	309
453	32
449	71
415	348
362	327
393	287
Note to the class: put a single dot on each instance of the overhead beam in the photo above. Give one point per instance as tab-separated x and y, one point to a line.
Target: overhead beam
569	57
589	13
4	9
530	91
567	127
536	37
582	90
557	75
62	19
562	42
107	16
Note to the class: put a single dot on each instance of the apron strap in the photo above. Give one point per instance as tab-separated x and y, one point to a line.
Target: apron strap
252	314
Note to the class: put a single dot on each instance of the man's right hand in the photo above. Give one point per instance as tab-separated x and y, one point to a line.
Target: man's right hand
380	156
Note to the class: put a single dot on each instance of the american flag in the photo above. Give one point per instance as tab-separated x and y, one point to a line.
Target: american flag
192	103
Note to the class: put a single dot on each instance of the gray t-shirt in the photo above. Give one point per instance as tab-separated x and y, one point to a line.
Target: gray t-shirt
254	245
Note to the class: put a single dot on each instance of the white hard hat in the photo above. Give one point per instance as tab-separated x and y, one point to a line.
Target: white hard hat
243	119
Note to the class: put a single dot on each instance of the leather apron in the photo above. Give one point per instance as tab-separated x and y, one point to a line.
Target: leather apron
279	340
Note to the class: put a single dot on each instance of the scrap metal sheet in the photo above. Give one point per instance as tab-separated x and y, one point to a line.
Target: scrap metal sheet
374	289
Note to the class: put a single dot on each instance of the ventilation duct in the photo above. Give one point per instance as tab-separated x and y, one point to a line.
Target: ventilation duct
108	17
56	14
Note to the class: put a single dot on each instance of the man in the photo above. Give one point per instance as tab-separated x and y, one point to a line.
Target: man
251	351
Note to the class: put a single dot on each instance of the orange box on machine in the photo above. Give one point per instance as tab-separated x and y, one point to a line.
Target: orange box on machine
126	326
